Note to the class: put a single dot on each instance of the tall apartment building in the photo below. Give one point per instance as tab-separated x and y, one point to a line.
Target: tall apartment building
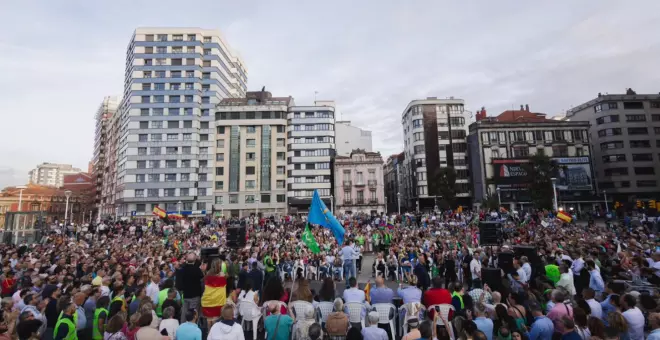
499	146
392	182
311	140
110	190
174	79
250	155
104	115
434	132
51	174
351	138
625	141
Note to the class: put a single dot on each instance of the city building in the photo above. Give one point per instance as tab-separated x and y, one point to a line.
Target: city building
434	132
174	79
311	141
351	138
104	115
625	141
50	200
393	183
358	183
51	174
110	190
499	146
250	155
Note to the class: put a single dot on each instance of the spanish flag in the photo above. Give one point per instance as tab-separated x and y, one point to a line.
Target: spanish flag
367	290
215	295
564	217
159	212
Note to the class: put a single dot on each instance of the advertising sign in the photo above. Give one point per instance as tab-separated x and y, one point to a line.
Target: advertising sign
509	171
574	173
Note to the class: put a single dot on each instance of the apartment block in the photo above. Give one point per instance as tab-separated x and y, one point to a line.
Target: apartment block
174	79
351	138
102	149
51	174
250	159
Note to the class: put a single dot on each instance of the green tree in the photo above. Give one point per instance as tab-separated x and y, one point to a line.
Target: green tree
445	187
540	171
490	203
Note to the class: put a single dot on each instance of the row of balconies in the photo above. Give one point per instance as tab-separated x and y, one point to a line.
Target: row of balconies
361	201
372	183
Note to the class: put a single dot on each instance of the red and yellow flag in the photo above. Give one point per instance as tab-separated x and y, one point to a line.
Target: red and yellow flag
159	212
215	295
367	290
564	217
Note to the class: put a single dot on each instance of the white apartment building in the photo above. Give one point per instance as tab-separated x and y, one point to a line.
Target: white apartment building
51	174
174	79
311	140
351	138
250	155
434	132
102	140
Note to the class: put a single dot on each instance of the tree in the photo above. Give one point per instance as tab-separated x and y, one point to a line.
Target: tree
491	203
445	186
540	171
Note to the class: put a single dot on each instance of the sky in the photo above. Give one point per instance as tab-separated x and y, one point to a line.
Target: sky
58	59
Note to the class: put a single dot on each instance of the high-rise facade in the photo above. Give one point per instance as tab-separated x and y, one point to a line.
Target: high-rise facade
392	182
351	138
250	155
174	79
435	132
106	111
311	140
51	174
625	142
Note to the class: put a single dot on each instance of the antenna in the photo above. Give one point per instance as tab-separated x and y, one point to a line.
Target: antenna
315	93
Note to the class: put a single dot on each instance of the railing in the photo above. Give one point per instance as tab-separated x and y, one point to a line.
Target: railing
360	201
372	183
373	201
348	201
348	184
359	184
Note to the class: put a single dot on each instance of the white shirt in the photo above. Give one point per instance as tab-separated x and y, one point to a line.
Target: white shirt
522	274
354	295
152	292
475	269
596	308
566	281
527	268
635	320
577	266
171	325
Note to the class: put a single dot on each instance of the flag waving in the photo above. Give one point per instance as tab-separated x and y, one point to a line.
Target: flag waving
310	241
321	215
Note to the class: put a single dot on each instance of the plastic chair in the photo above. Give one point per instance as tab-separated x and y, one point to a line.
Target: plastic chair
386	315
396	272
249	311
354	311
300	308
444	311
323	310
295	271
410	310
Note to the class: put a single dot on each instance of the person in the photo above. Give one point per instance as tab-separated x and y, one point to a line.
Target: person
189	282
227	328
302	292
274	291
581	326
189	329
65	328
302	325
80	317
146	331
277	326
566	280
100	316
337	323
140	294
327	291
381	293
169	322
654	323
595	279
372	331
569	329
542	327
29	330
559	310
113	331
437	295
596	328
348	255
90	305
475	270
257	277
172	302
153	288
457	297
483	324
315	332
421	273
9	315
617	326
413	330
588	295
353	294
633	316
354	333
243	276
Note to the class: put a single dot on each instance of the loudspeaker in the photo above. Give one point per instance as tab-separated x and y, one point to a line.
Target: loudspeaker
505	262
236	237
209	251
492	277
490	233
531	253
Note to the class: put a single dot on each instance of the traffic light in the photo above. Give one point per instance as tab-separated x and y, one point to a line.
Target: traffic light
617	205
639	204
652	204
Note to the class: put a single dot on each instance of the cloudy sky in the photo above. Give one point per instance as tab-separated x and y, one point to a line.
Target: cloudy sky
60	58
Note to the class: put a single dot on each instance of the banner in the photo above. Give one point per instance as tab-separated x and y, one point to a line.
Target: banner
574	173
510	171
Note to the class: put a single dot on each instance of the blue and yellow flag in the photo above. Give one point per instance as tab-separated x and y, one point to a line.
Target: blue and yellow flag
321	215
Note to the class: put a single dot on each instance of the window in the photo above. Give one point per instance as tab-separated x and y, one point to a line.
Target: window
146	74
656	130
417	123
220	157
157	137
280	170
160	74
251	129
219	185
206	100
635	118
281	156
521	152
419	149
265	198
204	138
185	163
205	112
655	118
152	192
170	164
142	151
186	150
203	150
187	124
250	184
177	62
201	205
139	192
187	136
609	132
611	145
190	74
220	171
157	111
145	99
190	61
206	75
280	184
633	105
185	177
154	164
171	150
640	144
189	99
233	198
250	156
249	198
154	178
655	105
607	119
141	164
638	131
625	184
143	138
249	170
646	184
170	177
616	171
647	170
201	192
207	39
139	178
280	142
154	125
220	130
173	124
220	143
281	198
639	157
144	112
559	151
280	128
218	200
172	136
250	143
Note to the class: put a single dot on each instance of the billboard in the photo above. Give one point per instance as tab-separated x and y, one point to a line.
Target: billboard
509	171
574	173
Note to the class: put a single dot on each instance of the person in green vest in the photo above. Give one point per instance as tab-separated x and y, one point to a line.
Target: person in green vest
270	268
458	290
162	296
65	328
552	272
387	240
100	317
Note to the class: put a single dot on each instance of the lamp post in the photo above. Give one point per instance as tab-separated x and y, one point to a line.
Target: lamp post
20	196
499	198
257	201
332	204
554	192
607	208
178	205
398	201
116	213
67	194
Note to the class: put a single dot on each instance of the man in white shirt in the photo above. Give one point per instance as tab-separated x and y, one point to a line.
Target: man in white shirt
577	265
634	317
353	294
475	269
153	289
566	280
596	309
526	267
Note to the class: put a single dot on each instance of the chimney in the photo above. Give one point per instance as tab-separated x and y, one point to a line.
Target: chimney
481	114
527	107
521	107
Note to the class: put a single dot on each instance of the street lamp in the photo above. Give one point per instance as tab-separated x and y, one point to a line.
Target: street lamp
116	213
257	200
179	204
67	193
332	204
554	192
499	198
398	199
607	208
20	196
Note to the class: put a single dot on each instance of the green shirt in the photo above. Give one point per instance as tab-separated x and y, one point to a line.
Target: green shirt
284	329
552	272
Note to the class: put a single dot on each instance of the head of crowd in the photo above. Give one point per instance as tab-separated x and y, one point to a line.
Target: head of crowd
410	276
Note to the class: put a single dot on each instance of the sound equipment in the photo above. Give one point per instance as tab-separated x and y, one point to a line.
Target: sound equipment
505	262
209	251
532	256
493	278
236	237
490	233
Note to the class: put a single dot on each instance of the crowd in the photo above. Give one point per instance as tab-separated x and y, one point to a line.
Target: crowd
152	280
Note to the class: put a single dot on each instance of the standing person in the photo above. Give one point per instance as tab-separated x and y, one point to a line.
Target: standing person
595	280
542	328
423	280
277	326
243	276
65	328
100	316
348	254
475	270
189	282
633	316
257	277
81	317
654	322
189	330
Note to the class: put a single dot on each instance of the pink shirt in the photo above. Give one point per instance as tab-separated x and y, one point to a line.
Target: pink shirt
557	313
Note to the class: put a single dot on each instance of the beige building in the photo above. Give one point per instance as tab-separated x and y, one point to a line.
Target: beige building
251	155
51	174
359	183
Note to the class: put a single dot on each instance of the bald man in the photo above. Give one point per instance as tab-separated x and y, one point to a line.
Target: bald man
381	294
189	282
80	318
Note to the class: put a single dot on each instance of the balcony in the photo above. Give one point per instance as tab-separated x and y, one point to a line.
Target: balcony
359	184
373	201
348	184
359	201
348	201
372	183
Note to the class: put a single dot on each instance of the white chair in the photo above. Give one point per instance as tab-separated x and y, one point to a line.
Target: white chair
386	315
323	310
279	303
410	310
354	311
297	266
396	272
300	308
249	311
444	311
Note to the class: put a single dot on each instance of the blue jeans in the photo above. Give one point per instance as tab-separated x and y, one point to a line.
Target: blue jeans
349	270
